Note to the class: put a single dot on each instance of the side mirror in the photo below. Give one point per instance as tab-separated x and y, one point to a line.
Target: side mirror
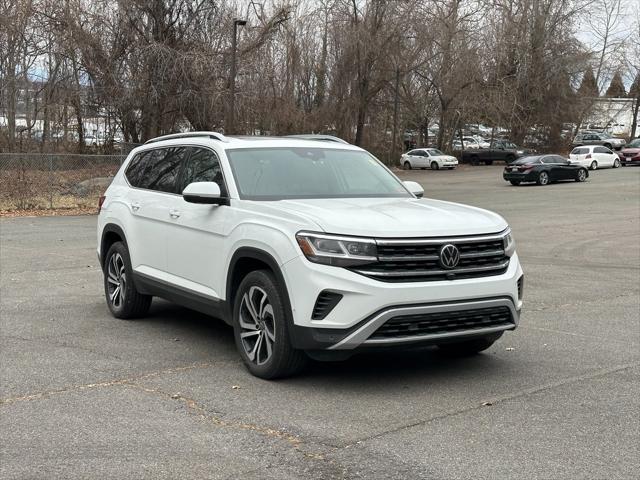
415	188
204	192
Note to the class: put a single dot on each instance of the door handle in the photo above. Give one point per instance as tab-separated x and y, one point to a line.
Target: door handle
135	206
173	213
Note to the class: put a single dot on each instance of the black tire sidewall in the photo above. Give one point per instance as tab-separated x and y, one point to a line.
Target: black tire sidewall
127	306
434	165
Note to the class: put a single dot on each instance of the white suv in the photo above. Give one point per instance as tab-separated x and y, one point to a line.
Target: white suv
307	248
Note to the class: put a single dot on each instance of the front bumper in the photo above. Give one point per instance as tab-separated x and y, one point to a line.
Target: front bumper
367	303
635	160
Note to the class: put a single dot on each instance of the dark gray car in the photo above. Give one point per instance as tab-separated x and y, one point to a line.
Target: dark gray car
603	139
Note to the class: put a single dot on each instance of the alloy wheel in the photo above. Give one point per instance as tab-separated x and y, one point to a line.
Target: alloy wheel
582	175
543	178
257	326
116	280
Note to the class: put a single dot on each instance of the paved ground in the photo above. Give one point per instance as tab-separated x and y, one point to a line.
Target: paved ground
86	396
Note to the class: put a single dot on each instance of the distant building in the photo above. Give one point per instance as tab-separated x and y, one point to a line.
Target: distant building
613	115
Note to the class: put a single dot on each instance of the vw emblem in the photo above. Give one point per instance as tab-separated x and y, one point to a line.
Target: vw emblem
449	256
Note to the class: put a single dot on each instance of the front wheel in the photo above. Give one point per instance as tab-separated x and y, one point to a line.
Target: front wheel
261	328
582	175
543	178
123	299
407	166
515	182
616	163
593	165
435	166
469	347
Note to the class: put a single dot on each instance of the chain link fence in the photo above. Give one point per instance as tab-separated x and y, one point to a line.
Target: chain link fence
31	181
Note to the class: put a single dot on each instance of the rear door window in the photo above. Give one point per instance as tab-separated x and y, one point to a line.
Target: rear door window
157	169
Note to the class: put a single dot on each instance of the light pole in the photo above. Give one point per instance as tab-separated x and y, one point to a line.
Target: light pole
232	81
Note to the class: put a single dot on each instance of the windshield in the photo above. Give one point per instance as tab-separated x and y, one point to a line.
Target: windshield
284	173
634	143
434	151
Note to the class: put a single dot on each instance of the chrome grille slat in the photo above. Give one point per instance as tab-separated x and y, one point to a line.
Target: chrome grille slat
416	273
418	259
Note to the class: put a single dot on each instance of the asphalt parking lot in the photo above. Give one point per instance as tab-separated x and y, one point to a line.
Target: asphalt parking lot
86	396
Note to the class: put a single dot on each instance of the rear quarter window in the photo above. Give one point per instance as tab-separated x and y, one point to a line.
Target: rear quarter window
580	151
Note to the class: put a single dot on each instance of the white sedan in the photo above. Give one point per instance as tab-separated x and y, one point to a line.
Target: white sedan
427	158
594	156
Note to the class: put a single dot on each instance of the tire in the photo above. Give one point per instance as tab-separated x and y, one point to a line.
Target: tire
543	178
123	299
607	145
261	328
616	163
469	347
488	162
407	166
581	176
510	158
475	160
515	182
435	166
593	166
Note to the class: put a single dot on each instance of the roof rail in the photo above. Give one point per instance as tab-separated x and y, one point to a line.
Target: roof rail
211	135
319	137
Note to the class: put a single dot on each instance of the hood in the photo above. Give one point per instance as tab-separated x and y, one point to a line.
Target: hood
395	217
631	150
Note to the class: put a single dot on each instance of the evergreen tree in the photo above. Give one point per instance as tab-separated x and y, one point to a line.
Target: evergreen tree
616	87
589	87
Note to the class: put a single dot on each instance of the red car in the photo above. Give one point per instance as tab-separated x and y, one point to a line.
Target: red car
630	154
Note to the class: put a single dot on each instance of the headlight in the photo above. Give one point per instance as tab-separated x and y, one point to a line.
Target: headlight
520	152
336	250
509	244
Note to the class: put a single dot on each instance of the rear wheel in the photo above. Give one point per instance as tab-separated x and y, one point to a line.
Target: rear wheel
407	166
607	145
123	299
434	165
469	347
616	163
261	328
510	158
475	160
582	175
543	178
593	165
515	182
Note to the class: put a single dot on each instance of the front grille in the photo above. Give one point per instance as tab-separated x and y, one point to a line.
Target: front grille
444	322
405	261
630	154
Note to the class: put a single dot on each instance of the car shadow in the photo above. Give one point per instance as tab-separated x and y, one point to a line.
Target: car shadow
215	340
